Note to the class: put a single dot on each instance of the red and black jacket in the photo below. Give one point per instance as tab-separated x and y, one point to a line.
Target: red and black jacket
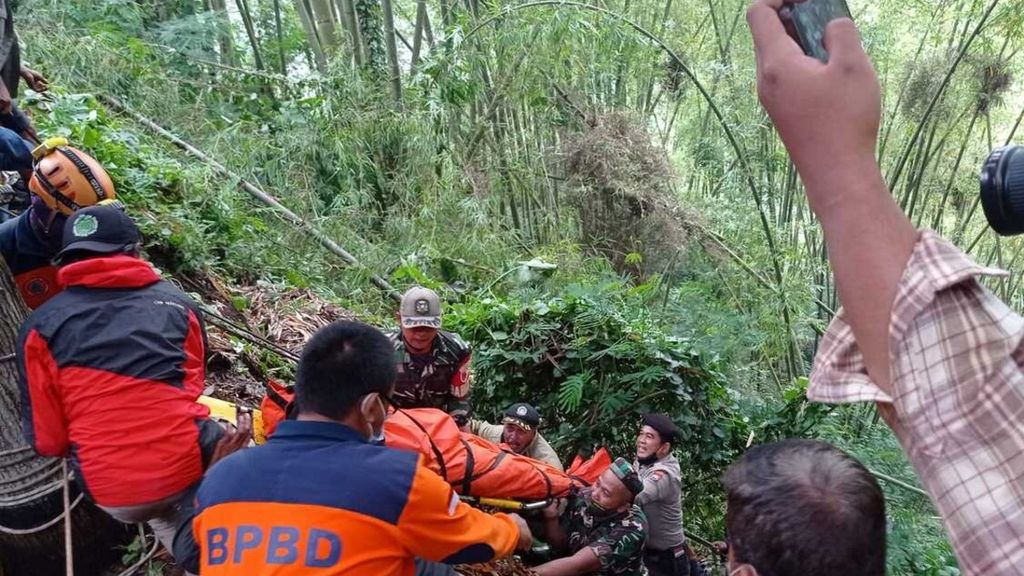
28	256
109	371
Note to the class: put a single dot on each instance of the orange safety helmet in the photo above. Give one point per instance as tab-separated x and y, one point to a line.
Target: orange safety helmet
67	179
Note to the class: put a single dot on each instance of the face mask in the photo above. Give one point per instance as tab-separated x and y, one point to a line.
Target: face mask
598	510
376	437
648	460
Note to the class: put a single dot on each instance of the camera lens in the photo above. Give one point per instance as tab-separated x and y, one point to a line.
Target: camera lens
1002	190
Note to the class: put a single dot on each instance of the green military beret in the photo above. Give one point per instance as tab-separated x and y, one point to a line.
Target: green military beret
623	470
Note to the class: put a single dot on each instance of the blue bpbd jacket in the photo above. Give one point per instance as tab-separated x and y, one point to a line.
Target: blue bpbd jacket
318	499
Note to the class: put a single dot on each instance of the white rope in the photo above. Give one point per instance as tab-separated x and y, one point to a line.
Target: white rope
68	551
39	490
17	450
41	527
66	513
142	561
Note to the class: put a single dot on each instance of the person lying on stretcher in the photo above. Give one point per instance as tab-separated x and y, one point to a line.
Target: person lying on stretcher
471	464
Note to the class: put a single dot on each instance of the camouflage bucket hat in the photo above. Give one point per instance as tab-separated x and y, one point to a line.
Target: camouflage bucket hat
625	473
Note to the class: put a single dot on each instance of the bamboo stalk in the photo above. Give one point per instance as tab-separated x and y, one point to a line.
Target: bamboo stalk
395	79
428	31
937	219
319	58
903	87
417	37
323	20
250	31
348	16
280	37
1016	125
370	30
227	48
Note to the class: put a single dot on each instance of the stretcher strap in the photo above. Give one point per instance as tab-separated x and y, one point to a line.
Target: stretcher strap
438	456
494	465
467	480
547	479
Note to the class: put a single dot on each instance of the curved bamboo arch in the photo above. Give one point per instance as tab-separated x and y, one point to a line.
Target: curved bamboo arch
733	142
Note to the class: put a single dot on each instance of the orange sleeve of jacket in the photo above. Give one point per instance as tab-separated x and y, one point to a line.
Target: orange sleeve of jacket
437	526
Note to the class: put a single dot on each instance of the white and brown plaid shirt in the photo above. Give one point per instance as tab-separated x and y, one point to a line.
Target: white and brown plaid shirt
958	399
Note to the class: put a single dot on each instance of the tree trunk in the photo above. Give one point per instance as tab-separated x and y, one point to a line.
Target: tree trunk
227	46
323	19
368	12
250	30
417	37
348	17
311	36
280	38
393	64
31	491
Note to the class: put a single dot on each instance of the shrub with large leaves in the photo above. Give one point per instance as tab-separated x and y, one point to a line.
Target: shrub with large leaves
593	359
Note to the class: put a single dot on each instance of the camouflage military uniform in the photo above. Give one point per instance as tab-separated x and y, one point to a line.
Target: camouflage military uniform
618	540
441	379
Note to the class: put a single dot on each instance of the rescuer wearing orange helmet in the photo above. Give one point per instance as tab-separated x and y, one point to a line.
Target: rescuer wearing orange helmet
63	180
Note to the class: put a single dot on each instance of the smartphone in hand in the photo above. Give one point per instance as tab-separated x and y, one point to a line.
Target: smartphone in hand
805	21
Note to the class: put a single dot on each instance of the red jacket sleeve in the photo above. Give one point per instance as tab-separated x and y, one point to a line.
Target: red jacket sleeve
42	409
195	355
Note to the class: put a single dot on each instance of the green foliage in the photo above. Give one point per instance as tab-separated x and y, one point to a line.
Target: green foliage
135	551
594	359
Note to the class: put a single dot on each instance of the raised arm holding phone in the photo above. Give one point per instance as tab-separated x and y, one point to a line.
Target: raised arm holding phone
918	334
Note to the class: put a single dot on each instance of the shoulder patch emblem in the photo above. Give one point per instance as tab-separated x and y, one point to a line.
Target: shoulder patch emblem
37	287
658	475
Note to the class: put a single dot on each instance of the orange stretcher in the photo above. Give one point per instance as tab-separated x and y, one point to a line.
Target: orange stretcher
478	470
476	467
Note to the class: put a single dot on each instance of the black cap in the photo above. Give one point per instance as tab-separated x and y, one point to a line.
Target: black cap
522	415
663	425
102	229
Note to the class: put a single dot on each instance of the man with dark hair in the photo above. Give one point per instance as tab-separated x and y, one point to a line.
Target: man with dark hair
801	507
433	364
321	495
109	372
666	553
602	528
519	431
